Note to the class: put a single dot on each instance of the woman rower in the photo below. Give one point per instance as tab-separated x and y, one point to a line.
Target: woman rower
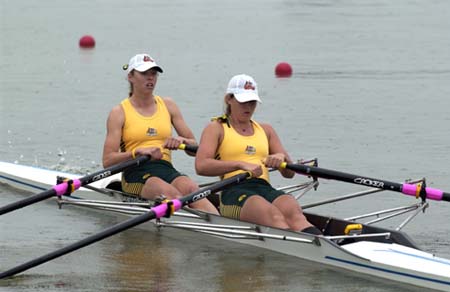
234	143
142	125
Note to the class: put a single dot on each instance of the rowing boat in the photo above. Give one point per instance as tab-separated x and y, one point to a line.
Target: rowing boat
346	244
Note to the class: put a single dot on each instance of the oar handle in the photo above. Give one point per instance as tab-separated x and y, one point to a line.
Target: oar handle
190	148
407	189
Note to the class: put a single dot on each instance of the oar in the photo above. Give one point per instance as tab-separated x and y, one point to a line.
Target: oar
407	189
165	209
190	148
74	184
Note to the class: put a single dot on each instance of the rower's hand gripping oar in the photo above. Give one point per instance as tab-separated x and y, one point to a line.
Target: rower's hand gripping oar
164	209
70	186
190	148
408	189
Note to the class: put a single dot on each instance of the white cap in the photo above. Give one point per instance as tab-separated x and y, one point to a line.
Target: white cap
141	63
243	87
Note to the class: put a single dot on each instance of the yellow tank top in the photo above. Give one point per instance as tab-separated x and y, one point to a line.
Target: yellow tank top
141	131
252	149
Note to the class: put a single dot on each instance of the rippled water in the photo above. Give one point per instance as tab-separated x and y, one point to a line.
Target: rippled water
369	96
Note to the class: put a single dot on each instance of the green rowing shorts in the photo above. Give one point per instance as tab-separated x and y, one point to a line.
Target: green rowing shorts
133	179
233	198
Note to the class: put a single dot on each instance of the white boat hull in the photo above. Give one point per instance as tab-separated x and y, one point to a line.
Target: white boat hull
385	260
36	180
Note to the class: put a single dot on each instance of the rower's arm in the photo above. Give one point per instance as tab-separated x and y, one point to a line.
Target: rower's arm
186	136
111	148
277	153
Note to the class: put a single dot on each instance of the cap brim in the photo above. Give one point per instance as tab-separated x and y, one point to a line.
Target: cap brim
247	96
147	66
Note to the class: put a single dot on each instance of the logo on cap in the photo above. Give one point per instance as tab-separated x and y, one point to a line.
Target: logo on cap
147	59
248	85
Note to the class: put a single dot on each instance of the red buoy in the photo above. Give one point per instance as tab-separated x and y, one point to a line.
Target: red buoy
283	69
87	41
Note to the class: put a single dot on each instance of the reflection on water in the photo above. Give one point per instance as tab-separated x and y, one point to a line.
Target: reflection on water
143	262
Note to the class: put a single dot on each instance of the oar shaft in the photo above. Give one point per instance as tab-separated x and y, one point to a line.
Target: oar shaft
27	201
61	189
77	245
113	170
154	213
206	191
408	189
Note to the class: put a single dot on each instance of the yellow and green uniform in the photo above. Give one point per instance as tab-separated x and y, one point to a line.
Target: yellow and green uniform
141	131
252	149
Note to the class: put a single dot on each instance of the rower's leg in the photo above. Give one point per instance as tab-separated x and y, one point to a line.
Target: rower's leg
185	186
258	210
155	187
292	212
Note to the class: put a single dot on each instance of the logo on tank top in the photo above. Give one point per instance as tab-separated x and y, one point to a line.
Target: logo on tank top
242	197
152	132
250	150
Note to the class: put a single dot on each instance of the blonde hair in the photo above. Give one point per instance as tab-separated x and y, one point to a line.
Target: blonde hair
224	118
226	106
130	93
